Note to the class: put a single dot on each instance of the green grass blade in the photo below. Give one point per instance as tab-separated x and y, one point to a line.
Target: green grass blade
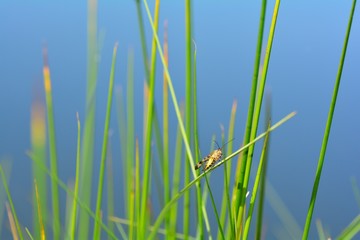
175	198
320	230
350	231
105	145
200	214
225	202
256	185
263	176
89	124
175	184
52	145
215	209
38	142
250	114
188	111
328	127
257	111
77	175
148	132
287	220
130	131
166	159
13	212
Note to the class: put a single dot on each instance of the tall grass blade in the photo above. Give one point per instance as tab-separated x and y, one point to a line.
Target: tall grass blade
105	144
256	117
52	145
188	111
130	132
286	218
356	190
256	185
200	214
73	214
148	130
198	178
11	222
175	185
89	124
249	120
166	159
263	176
38	144
41	224
11	210
6	164
225	202
328	127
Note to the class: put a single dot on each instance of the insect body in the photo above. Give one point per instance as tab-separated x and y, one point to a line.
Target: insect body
210	160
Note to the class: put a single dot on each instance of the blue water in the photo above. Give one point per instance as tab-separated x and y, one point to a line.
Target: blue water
303	66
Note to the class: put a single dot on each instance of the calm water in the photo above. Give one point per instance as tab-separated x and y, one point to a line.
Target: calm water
302	71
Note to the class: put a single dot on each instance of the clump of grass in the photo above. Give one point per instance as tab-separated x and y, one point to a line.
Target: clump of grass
233	216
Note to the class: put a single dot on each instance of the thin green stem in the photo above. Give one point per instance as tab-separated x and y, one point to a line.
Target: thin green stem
148	130
13	212
328	127
52	145
105	144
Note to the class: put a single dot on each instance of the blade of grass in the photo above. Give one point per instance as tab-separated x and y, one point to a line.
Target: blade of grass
225	202
89	124
321	232
288	221
105	145
350	231
76	187
29	234
257	111
110	186
188	111
38	144
148	130
52	145
12	208
263	176
249	120
11	222
6	164
328	127
256	185
130	130
215	209
137	188
41	224
70	193
187	187
166	130
200	227
175	184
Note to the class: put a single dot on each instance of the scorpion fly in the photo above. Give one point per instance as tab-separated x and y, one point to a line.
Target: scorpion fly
210	160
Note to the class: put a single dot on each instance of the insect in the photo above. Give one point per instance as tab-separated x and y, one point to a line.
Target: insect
210	160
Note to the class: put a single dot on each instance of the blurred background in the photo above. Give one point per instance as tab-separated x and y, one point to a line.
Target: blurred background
303	66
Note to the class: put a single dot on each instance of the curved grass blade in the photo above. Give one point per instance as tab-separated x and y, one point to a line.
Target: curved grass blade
105	145
328	127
